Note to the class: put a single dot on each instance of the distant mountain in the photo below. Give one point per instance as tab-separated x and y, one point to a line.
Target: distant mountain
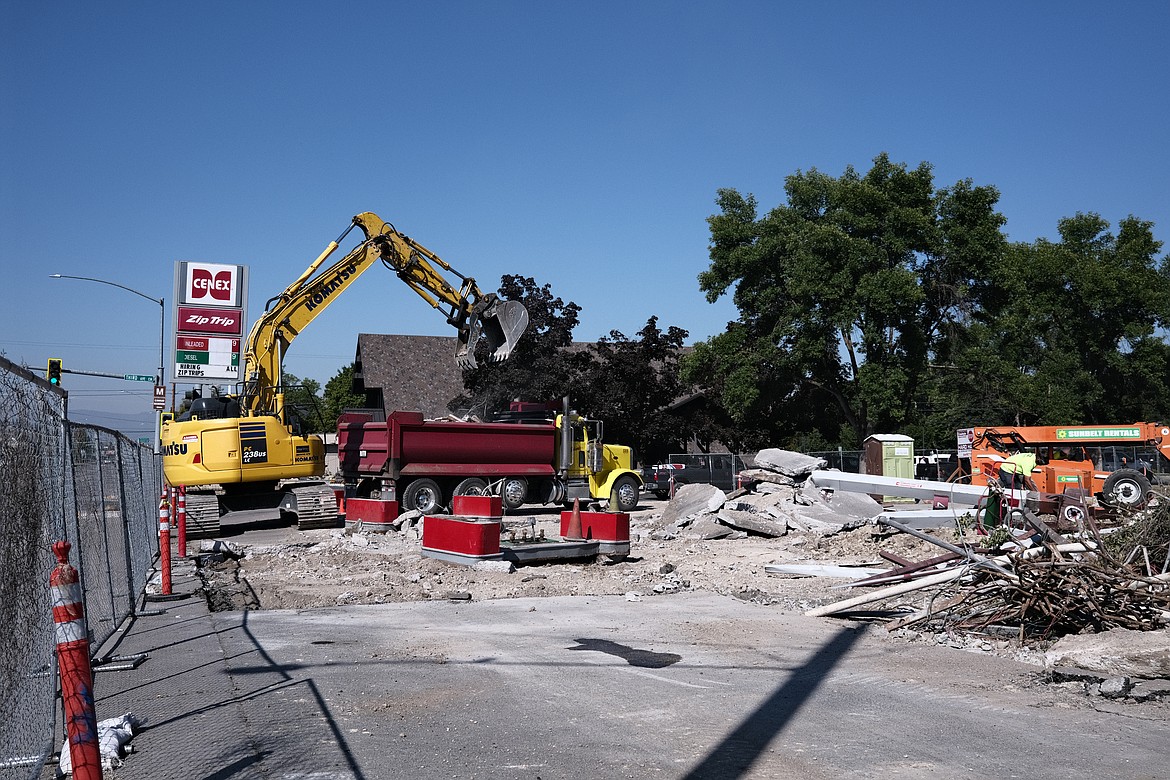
133	426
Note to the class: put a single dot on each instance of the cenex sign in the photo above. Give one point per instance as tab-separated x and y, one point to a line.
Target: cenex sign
209	320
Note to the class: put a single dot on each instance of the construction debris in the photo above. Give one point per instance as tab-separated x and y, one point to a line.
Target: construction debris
1041	585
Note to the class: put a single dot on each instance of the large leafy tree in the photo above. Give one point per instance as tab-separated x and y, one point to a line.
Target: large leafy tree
631	384
1069	333
847	293
542	367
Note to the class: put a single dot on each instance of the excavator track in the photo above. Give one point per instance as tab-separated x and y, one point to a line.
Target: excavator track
202	514
315	505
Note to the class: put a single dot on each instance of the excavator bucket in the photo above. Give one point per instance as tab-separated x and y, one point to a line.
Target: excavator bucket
501	324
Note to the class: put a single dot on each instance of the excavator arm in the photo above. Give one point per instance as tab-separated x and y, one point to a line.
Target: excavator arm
472	312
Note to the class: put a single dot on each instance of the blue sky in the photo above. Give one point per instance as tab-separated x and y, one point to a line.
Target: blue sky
580	144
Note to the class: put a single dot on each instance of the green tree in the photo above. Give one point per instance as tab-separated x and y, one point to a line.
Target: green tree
847	292
302	398
339	396
630	383
1069	332
543	367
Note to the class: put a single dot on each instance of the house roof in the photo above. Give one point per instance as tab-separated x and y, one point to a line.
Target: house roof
414	373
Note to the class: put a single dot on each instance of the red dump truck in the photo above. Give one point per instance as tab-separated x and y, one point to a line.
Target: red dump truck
424	463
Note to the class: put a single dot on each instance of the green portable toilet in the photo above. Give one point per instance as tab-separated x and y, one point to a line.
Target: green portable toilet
889	455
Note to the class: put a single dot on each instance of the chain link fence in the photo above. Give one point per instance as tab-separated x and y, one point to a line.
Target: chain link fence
935	465
97	490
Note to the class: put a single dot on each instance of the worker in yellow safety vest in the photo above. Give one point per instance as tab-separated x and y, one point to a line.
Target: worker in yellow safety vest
1015	471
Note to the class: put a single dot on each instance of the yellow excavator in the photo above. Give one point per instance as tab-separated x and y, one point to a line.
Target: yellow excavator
246	451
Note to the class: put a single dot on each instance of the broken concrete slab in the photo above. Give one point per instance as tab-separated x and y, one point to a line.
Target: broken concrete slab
1145	690
690	501
814	520
707	528
762	477
752	522
856	505
771	504
1119	652
791	464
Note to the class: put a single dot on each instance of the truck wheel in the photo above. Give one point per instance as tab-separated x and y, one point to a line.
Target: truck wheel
472	486
626	489
1126	489
423	495
514	492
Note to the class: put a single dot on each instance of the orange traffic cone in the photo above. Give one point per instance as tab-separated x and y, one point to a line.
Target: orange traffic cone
574	529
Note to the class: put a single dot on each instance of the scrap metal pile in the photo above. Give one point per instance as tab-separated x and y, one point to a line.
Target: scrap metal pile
1033	581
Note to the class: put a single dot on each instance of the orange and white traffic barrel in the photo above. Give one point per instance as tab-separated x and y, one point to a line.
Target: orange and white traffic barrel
73	664
164	543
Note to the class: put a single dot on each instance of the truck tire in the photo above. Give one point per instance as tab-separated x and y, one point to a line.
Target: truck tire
626	490
514	492
472	486
1126	489
423	495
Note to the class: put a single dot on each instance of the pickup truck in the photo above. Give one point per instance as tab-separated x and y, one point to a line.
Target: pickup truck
719	469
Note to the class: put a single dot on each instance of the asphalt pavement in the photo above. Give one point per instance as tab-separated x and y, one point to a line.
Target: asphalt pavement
688	685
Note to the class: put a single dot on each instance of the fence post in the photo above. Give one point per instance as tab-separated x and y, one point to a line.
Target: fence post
73	666
164	543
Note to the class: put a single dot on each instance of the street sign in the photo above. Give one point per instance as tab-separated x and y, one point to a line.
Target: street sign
160	397
139	378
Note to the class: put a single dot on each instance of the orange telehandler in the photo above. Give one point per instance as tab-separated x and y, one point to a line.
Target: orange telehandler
1117	464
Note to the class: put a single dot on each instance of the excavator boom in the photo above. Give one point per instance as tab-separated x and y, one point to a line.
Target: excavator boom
474	313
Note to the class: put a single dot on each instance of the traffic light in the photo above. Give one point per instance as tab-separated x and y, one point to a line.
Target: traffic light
53	372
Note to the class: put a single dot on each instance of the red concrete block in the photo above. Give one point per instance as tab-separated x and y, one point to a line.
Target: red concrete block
369	510
461	536
477	506
600	526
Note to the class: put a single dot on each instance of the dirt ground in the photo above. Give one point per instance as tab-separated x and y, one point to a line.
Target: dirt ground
321	568
328	567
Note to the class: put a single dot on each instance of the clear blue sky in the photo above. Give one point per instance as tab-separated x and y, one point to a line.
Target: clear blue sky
581	144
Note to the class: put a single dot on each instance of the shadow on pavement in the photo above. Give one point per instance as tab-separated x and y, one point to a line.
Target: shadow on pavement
734	756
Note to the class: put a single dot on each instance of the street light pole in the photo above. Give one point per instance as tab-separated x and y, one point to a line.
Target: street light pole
162	334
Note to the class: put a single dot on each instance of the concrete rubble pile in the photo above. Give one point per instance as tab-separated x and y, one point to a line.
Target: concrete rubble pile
775	499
